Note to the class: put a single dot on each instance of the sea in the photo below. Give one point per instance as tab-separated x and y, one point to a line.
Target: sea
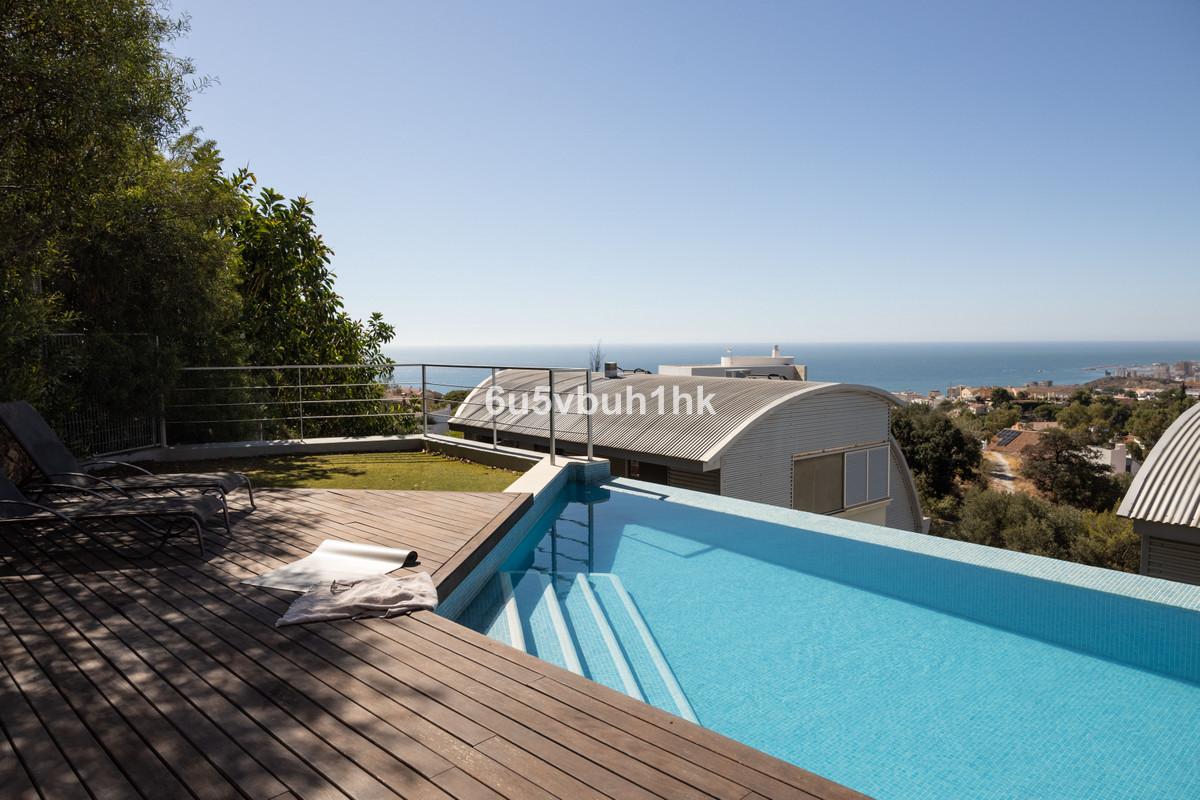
917	367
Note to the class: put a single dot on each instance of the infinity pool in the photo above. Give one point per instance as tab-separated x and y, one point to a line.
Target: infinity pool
900	665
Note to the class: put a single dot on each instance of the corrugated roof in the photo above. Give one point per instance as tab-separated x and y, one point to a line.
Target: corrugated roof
1167	488
736	402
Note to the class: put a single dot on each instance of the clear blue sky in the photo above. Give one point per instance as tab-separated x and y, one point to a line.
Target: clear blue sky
557	172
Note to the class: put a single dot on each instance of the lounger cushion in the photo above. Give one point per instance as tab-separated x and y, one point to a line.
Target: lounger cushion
226	481
201	505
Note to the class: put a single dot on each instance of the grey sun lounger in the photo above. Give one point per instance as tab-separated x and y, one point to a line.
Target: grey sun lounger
56	462
148	513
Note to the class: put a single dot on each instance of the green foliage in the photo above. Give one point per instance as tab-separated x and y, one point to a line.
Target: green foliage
1094	418
1032	525
1019	522
291	313
149	259
938	452
1000	418
87	88
1107	541
1001	396
115	227
1044	412
1060	466
1152	417
455	397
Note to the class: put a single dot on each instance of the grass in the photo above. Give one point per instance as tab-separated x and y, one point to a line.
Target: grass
412	470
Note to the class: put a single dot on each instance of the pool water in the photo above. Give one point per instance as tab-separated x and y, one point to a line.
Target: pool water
896	673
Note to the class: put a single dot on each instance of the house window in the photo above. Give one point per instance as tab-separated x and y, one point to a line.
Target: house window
827	484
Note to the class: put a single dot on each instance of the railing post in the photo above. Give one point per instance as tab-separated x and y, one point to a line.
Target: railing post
300	391
552	442
162	420
424	413
495	437
588	410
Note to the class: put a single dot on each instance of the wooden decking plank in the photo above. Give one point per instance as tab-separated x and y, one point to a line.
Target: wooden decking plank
459	784
609	769
715	784
406	684
779	775
180	650
321	650
350	761
452	572
91	762
180	667
558	782
88	676
654	769
709	740
296	689
208	740
32	743
13	776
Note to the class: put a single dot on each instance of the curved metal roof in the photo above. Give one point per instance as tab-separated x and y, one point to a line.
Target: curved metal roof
736	404
1167	487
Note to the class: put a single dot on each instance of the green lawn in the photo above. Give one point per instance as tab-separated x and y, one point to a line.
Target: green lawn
416	470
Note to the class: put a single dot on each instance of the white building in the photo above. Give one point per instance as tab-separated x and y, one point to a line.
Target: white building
820	447
1164	502
774	366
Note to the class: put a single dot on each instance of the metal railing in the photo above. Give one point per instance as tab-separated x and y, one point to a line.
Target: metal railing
297	401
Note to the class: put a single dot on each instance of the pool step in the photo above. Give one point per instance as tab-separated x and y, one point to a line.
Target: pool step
603	659
654	675
534	619
589	624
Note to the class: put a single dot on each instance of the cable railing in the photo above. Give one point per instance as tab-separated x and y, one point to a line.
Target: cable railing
305	401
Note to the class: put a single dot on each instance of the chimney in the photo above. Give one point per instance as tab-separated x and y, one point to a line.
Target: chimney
775	351
611	370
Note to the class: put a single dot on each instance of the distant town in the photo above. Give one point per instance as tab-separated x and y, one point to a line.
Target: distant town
1135	382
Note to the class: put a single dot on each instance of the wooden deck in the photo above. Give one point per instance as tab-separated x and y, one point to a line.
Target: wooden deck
165	678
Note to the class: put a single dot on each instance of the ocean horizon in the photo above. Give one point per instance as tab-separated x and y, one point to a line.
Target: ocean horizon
895	366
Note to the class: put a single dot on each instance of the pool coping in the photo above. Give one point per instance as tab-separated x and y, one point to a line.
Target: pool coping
1124	584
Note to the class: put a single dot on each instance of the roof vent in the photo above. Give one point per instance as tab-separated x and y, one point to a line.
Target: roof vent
611	370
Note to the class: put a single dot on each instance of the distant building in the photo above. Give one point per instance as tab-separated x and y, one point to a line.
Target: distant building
1116	459
1048	392
774	366
1012	441
1164	502
918	397
819	447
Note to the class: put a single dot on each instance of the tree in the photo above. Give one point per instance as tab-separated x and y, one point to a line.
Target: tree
1062	467
149	261
1000	418
1044	412
87	89
1001	396
1019	522
938	452
1151	418
291	314
1096	419
1107	541
596	358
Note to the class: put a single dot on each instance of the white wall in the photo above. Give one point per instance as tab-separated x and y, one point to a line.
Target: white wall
758	465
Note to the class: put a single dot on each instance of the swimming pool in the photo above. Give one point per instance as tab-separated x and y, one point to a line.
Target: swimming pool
901	665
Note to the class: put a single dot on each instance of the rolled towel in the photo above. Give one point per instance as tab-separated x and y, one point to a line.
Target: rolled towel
376	596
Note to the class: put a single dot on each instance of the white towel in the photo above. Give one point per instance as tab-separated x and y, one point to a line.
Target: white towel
335	560
377	596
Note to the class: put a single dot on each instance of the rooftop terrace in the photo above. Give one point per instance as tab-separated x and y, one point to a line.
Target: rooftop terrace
165	677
